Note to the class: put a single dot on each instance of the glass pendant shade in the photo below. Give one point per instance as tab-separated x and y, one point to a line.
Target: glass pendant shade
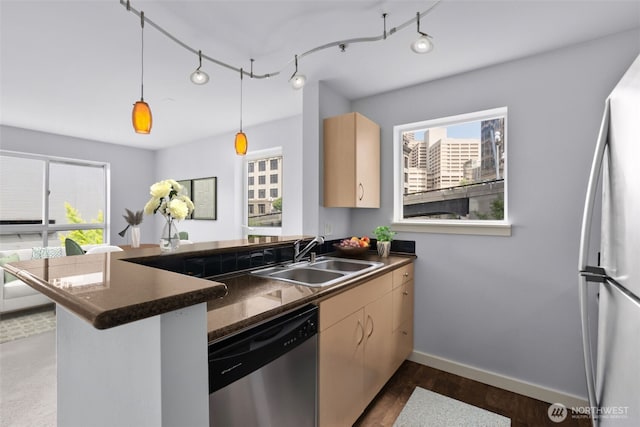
298	81
141	117
241	143
199	77
422	45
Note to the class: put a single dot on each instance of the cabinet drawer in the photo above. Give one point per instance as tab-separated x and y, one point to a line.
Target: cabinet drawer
340	306
402	309
402	275
403	342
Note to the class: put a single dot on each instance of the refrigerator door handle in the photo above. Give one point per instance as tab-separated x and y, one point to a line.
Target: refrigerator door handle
587	218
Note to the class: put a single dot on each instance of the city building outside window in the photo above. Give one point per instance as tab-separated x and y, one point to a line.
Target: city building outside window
264	199
452	172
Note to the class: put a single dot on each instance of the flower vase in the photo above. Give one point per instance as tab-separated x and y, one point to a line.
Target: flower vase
135	236
169	239
383	248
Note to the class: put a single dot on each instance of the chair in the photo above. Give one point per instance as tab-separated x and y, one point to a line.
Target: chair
183	235
103	249
71	247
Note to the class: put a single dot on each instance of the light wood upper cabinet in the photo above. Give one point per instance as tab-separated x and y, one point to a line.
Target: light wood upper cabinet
351	162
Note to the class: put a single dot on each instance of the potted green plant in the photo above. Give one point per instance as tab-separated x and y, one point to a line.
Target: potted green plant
384	236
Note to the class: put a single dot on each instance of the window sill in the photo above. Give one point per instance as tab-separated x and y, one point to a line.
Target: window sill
455	227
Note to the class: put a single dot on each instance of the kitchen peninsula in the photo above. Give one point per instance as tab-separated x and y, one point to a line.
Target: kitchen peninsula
133	326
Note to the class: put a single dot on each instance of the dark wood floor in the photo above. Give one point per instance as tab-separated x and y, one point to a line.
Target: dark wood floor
523	411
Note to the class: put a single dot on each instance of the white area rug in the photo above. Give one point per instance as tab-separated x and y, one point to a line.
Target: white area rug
19	325
428	409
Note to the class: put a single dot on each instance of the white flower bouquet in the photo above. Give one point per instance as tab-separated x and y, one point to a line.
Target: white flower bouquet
166	198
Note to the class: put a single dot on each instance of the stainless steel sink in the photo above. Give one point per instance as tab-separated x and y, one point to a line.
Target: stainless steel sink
324	271
307	275
341	265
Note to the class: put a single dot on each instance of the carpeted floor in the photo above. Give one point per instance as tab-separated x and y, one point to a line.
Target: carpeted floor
428	409
28	381
27	323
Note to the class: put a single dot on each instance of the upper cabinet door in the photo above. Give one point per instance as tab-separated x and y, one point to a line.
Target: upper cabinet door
351	162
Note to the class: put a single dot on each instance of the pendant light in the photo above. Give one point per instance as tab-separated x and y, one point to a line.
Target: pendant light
199	77
141	114
297	80
241	139
422	44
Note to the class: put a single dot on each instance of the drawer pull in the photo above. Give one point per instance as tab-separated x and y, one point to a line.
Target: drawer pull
405	333
405	293
406	274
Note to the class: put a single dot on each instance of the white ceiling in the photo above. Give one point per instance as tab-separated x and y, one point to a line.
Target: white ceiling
73	67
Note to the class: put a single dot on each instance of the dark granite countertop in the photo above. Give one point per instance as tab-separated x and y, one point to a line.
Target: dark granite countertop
253	299
107	290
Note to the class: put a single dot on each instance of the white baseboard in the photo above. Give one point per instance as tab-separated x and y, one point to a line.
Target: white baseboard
497	380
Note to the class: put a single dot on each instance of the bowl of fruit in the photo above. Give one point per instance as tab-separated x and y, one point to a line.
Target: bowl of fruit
353	246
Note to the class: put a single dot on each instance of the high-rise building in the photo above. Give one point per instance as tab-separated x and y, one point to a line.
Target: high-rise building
264	184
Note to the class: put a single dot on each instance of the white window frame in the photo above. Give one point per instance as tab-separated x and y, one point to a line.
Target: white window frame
45	227
448	226
252	156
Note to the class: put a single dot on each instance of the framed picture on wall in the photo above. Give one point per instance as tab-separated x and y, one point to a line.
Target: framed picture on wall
186	184
204	196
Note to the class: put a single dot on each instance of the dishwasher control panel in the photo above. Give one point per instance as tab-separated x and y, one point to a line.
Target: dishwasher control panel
235	357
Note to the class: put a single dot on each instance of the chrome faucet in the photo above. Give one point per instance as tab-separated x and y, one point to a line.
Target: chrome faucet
299	254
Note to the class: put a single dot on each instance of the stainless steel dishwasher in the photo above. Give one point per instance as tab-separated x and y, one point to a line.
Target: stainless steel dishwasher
267	374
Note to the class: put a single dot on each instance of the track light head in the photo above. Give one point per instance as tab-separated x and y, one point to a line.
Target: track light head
298	81
199	77
422	44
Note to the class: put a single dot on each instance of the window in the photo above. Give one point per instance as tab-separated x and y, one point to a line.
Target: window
264	218
450	174
250	167
56	198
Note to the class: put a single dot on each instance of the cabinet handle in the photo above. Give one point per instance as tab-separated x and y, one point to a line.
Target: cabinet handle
405	293
361	334
405	333
361	187
370	333
406	274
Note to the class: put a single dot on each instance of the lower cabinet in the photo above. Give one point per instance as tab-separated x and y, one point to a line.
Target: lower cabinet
361	346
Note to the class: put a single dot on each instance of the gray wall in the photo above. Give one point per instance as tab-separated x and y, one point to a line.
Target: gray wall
132	169
215	156
510	304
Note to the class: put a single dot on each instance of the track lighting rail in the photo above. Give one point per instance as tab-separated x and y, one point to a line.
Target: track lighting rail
340	43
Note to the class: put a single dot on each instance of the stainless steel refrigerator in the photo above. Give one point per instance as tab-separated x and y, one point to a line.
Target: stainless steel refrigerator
613	382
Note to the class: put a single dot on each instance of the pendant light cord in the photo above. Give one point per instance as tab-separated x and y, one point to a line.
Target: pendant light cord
142	56
241	99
